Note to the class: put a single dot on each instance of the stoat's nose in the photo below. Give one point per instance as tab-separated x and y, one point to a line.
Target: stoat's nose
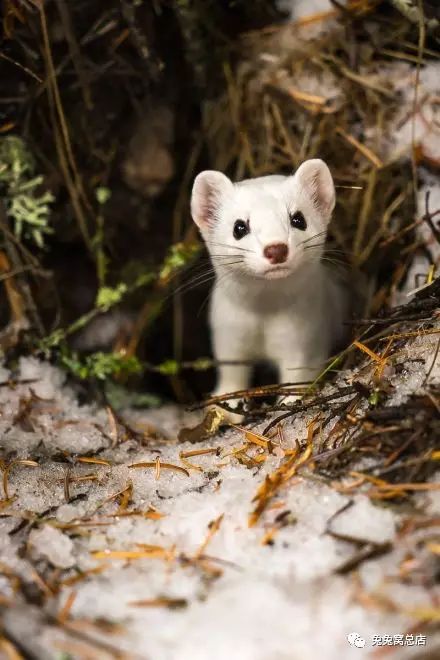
276	253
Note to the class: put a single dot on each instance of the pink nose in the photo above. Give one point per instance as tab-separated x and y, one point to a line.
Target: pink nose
276	253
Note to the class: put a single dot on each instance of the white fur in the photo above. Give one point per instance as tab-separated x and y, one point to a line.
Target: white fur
289	314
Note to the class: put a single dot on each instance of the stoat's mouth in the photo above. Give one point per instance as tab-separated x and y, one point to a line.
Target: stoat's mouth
276	272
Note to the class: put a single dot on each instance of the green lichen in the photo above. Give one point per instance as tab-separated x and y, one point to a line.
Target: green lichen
102	195
26	205
202	364
169	368
108	297
375	398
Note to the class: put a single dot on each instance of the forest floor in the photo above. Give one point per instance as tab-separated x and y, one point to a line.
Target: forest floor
117	540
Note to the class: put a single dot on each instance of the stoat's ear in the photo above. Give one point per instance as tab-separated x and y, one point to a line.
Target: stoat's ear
314	179
208	189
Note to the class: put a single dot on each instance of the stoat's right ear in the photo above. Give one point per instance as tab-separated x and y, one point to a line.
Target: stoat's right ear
208	189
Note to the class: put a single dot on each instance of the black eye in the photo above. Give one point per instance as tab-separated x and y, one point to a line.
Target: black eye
298	221
241	228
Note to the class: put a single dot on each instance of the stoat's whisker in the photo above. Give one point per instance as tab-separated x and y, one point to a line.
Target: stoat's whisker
199	279
329	255
195	285
227	256
196	270
210	262
201	269
327	249
198	275
231	254
335	259
220	283
230	262
334	262
188	286
231	247
337	264
315	245
318	235
192	268
223	263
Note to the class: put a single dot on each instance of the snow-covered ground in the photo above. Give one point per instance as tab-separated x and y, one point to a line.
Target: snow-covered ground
201	583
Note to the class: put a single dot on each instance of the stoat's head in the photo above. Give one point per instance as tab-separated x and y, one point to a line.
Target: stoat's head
265	227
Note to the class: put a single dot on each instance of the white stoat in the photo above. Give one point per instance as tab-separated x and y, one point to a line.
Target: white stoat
273	298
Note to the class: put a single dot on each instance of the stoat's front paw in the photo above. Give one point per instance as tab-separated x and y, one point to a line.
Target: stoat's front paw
290	400
227	417
233	418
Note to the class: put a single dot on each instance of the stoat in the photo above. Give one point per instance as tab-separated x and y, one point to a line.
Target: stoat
274	298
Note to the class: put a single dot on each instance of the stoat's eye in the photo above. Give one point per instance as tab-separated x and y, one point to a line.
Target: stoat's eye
241	228
298	221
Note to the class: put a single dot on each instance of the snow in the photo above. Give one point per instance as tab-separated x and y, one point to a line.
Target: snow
52	544
421	264
422	125
301	8
246	600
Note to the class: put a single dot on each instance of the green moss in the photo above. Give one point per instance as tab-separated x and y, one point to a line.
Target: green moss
101	366
108	297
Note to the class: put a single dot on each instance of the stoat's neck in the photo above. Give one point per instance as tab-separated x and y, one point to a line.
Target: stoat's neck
258	292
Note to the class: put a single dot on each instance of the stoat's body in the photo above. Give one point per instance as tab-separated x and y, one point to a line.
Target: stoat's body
273	297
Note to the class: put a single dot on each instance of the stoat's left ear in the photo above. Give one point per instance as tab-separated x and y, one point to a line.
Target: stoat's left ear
208	190
314	178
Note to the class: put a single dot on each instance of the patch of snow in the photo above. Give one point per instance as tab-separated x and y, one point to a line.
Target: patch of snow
421	264
301	8
267	602
366	521
50	543
423	124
